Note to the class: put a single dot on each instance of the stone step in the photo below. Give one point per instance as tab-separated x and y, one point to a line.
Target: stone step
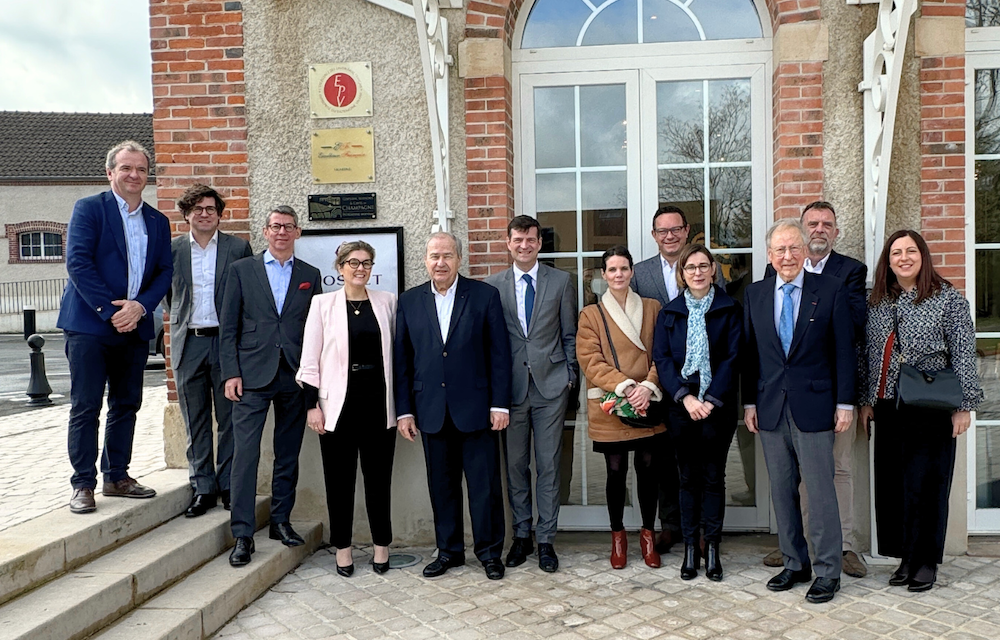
87	599
59	541
200	604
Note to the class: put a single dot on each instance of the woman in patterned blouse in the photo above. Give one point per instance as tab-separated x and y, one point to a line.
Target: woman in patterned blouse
914	447
695	348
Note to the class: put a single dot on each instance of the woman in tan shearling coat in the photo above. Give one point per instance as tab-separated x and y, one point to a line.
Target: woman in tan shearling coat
630	321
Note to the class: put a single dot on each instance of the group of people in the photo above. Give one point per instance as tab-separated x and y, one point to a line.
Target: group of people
475	368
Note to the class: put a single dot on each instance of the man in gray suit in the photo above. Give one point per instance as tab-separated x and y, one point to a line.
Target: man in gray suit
656	278
539	305
201	259
263	319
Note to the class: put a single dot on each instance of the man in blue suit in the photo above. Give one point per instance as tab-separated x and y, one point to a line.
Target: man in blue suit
453	385
798	386
119	265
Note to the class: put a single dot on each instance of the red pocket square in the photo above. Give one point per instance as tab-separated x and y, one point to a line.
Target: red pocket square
305	285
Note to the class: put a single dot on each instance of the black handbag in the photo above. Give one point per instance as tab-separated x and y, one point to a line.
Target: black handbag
654	412
939	389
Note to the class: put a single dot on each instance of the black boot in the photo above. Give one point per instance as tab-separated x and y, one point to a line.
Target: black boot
689	570
713	562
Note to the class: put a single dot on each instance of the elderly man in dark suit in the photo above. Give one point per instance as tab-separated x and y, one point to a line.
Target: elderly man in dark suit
119	267
798	390
820	222
539	304
201	259
453	379
263	319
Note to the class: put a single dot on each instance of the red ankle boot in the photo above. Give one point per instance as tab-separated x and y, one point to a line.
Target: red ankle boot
619	549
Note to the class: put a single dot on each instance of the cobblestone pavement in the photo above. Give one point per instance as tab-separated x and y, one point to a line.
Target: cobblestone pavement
587	600
34	476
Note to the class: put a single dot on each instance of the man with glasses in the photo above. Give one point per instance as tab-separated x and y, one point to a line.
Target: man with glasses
262	322
201	258
820	222
798	391
656	278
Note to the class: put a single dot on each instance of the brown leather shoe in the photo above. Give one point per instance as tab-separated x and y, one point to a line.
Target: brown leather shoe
127	488
774	559
664	541
648	548
854	566
619	549
82	501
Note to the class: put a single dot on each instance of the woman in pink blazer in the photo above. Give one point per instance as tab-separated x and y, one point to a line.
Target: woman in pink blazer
346	370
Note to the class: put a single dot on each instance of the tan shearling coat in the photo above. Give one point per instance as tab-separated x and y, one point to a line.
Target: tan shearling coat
634	347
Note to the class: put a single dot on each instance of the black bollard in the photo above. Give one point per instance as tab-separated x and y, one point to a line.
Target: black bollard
29	321
38	386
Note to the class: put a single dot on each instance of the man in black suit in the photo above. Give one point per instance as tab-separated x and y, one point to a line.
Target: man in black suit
453	385
201	258
798	390
820	222
263	318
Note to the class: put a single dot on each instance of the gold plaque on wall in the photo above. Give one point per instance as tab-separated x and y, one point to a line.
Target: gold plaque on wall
343	155
340	90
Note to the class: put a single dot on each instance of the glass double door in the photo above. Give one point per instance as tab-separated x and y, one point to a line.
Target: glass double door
599	152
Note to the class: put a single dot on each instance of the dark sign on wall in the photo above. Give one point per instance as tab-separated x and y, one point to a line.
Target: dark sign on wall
342	206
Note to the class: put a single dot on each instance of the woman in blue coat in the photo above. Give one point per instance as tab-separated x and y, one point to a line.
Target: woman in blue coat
695	348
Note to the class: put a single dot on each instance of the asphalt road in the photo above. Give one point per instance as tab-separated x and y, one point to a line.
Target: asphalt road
15	372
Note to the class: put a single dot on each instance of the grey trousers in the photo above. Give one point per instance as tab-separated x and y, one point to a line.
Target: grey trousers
199	386
793	456
540	419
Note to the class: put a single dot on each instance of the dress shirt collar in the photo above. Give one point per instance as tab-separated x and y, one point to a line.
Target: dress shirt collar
123	206
819	266
518	274
270	259
214	239
666	263
798	281
450	293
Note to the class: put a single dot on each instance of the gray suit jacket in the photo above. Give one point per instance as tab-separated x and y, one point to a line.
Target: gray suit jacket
180	295
549	349
647	280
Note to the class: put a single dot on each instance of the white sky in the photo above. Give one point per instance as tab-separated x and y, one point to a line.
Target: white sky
75	55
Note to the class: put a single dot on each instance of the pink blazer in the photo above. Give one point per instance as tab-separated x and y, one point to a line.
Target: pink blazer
324	363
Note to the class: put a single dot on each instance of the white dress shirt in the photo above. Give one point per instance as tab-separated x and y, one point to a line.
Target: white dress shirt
445	303
521	291
669	277
279	276
134	225
818	267
203	313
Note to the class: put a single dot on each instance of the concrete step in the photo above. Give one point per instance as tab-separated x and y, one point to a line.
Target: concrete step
50	545
199	605
97	593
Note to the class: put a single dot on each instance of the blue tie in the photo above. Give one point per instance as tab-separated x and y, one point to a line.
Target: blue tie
529	300
786	323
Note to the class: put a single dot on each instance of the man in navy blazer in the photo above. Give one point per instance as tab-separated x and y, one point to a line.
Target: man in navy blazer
820	222
119	266
453	385
798	390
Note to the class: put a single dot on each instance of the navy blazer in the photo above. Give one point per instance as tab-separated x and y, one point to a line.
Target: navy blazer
819	371
97	265
465	376
724	323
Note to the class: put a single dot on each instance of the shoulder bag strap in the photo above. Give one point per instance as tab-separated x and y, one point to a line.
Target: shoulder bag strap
607	332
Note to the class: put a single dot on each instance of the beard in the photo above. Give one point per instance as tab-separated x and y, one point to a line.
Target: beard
819	245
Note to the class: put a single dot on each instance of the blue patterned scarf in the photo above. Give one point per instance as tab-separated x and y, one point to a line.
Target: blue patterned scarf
697	358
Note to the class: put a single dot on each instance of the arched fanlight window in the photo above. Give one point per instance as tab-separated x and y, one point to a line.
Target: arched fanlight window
581	23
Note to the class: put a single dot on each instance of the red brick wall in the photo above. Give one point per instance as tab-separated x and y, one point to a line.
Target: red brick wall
199	119
798	136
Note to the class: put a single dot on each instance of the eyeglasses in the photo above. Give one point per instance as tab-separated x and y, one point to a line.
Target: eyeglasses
354	263
674	231
700	268
780	251
277	228
209	210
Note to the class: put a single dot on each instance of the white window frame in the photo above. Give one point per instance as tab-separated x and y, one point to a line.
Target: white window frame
42	244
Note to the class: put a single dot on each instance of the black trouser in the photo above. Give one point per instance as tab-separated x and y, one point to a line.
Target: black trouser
670	515
914	467
646	457
702	447
341	448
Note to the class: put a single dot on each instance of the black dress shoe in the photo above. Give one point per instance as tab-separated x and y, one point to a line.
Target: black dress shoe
225	499
380	567
200	505
547	559
440	565
283	531
241	552
713	562
689	568
901	576
923	579
519	551
788	579
494	568
822	590
347	571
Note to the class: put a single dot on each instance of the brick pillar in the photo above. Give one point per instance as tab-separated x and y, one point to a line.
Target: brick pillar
199	119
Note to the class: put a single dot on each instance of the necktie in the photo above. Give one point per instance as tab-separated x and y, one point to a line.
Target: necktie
529	300
786	323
